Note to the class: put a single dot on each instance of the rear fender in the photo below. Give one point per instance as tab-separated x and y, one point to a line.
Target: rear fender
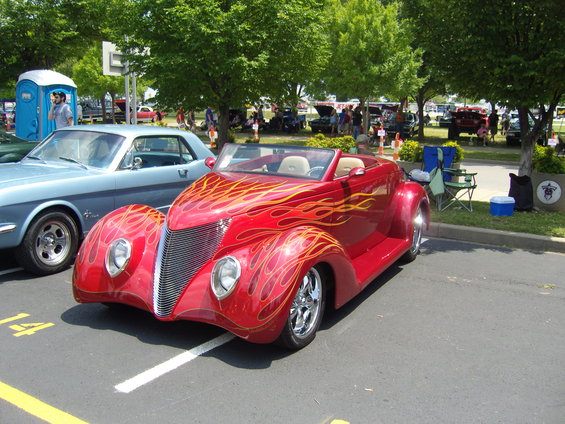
407	198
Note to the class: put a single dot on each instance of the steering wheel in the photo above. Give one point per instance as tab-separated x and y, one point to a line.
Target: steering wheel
316	171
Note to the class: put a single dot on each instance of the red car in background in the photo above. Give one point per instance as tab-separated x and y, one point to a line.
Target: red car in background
144	113
466	120
259	245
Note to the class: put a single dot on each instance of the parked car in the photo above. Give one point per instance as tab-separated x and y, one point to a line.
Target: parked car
259	245
411	124
144	113
321	124
12	148
466	120
513	136
54	196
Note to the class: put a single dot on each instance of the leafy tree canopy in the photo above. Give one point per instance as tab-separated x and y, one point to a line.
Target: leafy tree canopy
40	34
371	55
512	53
223	53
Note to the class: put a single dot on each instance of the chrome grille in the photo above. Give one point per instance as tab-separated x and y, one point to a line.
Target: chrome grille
181	254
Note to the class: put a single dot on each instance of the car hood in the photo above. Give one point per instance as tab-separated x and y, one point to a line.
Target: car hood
324	110
217	196
27	172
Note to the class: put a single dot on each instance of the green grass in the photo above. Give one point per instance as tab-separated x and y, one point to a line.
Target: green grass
535	222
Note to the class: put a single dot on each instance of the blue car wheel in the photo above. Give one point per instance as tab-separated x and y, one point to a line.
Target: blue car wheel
50	243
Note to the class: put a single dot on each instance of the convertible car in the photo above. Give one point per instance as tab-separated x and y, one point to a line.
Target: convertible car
259	245
54	195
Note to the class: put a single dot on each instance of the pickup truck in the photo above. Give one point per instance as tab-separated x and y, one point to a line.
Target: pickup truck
466	120
144	113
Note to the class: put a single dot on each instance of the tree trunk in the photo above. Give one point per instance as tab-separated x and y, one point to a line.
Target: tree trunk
103	102
420	101
223	125
527	142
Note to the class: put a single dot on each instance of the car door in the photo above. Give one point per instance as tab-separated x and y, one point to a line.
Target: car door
167	167
361	201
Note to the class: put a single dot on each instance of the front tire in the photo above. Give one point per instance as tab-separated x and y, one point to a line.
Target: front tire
49	244
306	311
417	230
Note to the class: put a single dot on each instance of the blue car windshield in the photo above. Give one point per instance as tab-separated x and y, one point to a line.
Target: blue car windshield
87	148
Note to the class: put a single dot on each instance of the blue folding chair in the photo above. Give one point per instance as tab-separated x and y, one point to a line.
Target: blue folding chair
431	159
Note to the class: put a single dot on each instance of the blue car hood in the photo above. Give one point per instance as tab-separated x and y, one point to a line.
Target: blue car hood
28	172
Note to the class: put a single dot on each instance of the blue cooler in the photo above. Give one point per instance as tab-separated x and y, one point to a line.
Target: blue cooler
502	206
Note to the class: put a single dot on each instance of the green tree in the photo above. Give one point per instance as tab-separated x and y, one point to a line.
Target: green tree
87	75
40	34
512	53
371	53
222	53
429	71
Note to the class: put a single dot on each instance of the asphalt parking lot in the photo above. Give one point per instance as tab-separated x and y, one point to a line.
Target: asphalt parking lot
467	333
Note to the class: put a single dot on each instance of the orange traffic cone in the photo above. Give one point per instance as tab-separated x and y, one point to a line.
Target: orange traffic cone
396	144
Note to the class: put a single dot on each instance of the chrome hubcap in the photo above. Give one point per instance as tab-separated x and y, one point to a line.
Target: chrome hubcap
52	243
417	232
306	305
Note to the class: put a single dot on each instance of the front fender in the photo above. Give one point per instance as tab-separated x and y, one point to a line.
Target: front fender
271	272
141	226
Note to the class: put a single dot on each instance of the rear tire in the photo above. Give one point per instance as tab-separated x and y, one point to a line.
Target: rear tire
306	311
50	243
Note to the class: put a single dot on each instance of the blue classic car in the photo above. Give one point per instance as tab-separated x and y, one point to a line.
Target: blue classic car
54	195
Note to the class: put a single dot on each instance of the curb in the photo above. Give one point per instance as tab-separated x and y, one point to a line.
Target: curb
496	237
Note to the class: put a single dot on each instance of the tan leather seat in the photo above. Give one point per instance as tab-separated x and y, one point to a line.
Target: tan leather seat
347	164
294	165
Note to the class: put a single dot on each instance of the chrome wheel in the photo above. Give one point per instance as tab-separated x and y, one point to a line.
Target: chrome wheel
306	306
417	232
306	311
49	244
52	243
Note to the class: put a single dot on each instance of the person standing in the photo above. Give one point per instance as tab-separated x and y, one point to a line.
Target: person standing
60	111
333	123
493	125
357	120
209	117
180	119
399	120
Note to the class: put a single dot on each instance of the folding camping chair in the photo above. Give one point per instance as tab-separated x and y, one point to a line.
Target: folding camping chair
446	187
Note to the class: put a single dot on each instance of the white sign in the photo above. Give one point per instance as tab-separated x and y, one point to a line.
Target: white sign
111	60
553	142
381	133
548	192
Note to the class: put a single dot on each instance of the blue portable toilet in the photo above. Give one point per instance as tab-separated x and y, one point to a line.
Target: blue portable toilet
34	92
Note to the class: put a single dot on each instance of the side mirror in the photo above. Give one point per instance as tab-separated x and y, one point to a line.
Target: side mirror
357	171
210	162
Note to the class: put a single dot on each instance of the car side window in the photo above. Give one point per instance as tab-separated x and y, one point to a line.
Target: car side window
161	151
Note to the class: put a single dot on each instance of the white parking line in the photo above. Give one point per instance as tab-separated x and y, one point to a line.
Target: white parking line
157	371
10	271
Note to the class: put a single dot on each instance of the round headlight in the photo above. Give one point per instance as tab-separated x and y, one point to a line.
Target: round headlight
225	276
118	256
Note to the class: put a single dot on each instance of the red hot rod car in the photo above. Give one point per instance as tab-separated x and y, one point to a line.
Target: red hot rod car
258	245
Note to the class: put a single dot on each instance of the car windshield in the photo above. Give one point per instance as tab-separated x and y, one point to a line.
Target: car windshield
290	161
87	148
